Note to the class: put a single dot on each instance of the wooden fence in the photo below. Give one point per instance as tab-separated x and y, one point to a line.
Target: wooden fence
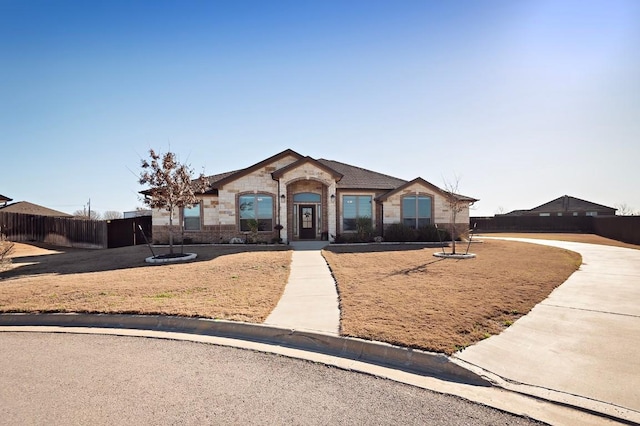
128	232
621	228
59	231
71	232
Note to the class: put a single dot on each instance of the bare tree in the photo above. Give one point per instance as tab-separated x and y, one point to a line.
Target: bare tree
112	214
84	214
624	209
456	205
500	210
6	248
172	186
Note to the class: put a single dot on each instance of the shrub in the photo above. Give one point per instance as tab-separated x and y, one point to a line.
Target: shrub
398	232
430	233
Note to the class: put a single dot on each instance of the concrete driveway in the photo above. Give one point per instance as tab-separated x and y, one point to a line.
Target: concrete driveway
582	344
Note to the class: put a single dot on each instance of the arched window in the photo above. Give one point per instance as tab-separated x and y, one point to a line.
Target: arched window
416	211
256	207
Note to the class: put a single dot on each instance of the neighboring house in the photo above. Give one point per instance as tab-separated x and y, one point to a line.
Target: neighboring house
566	206
311	199
26	207
4	200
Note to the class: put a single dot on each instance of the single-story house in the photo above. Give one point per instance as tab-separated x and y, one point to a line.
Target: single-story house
310	199
4	200
566	206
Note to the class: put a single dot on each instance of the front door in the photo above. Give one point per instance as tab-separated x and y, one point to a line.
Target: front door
307	222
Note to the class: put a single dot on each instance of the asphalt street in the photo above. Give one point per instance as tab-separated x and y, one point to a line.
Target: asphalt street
48	378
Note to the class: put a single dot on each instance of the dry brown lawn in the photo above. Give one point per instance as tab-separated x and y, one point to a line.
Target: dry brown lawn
398	294
405	296
242	283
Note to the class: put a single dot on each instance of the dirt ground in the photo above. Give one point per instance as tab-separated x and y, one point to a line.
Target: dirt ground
242	283
405	296
398	294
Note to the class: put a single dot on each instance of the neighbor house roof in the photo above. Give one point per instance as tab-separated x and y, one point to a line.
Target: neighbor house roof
4	199
568	203
26	207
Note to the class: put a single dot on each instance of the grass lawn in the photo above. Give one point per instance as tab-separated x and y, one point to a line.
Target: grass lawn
398	294
242	283
405	296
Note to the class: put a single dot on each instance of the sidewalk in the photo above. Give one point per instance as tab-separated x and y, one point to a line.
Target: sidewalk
581	345
310	299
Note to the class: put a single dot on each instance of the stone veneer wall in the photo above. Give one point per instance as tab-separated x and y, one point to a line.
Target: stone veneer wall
439	207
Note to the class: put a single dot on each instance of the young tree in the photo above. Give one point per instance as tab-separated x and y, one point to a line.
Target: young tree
456	205
172	186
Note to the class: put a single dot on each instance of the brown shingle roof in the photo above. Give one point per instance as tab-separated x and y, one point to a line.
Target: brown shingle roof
26	207
569	203
359	178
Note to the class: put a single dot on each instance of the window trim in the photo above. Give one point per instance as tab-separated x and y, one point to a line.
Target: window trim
417	216
256	194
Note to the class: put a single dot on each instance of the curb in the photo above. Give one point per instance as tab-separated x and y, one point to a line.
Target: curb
383	354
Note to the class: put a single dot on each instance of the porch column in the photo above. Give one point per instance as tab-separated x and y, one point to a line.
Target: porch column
332	219
282	210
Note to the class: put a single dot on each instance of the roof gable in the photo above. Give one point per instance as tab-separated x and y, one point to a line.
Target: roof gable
308	160
231	176
423	182
5	199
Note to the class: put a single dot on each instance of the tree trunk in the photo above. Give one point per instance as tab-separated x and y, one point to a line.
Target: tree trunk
171	231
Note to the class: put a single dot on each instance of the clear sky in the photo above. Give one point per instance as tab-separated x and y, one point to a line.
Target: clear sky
524	100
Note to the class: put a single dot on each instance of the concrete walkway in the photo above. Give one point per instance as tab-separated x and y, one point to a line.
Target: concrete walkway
581	345
310	299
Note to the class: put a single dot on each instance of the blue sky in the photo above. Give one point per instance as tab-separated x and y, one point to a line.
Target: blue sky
525	101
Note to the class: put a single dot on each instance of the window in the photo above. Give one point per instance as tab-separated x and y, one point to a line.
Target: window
416	211
191	218
306	197
559	213
592	213
575	213
545	214
353	207
258	207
